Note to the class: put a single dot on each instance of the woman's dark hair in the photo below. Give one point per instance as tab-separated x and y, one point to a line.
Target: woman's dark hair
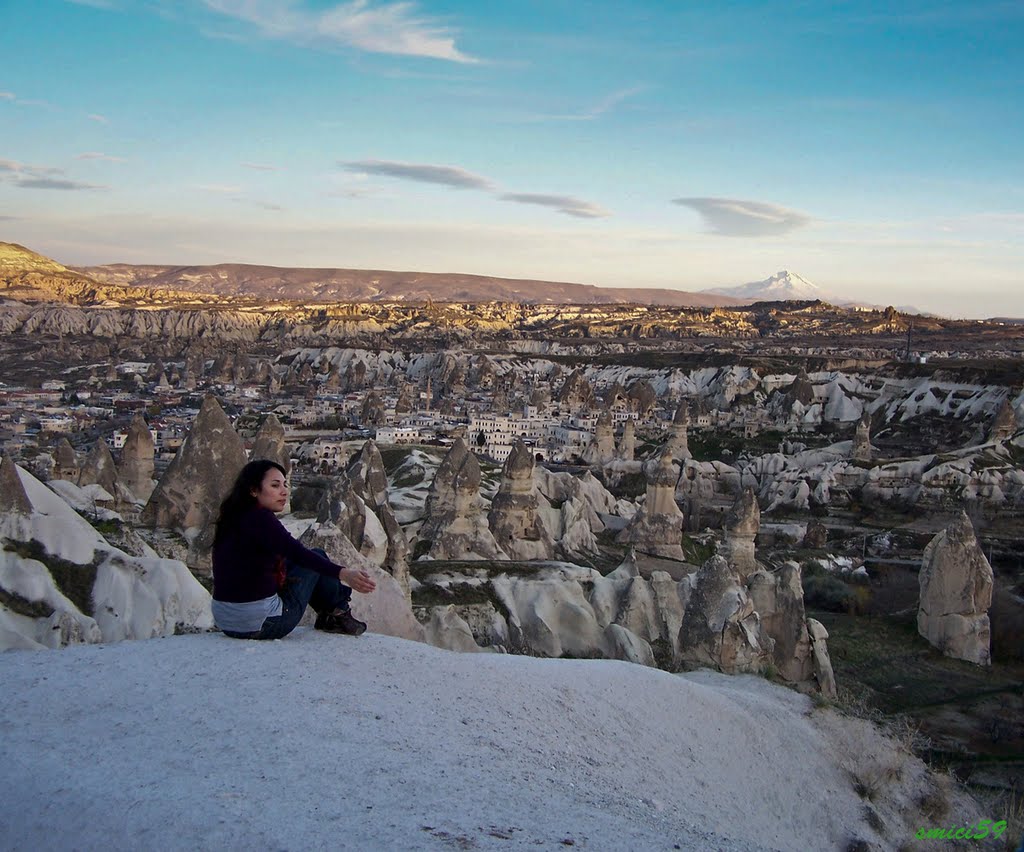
240	499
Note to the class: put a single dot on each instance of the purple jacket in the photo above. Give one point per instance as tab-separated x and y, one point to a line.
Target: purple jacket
247	560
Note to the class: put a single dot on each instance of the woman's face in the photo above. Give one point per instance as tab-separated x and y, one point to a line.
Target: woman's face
273	491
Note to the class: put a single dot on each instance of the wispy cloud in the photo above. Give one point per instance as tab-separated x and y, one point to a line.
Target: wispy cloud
261	167
55	183
421	172
102	119
603	106
26	176
733	217
95	4
96	155
263	205
219	188
458	178
562	203
11	97
392	28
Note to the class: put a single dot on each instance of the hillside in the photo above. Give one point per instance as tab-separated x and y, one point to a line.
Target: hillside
26	276
321	741
373	285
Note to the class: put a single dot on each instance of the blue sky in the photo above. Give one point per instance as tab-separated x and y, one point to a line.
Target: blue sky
873	148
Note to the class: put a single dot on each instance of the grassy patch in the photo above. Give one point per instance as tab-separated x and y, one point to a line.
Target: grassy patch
826	591
697	552
422	570
107	527
74	581
630	485
23	606
901	671
458	594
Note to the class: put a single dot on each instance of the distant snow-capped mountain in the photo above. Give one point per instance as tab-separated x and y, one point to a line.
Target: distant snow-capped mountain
780	287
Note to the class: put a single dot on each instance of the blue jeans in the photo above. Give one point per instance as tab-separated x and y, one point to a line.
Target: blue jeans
302	587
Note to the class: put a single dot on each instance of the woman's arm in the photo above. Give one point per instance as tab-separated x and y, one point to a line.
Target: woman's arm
279	540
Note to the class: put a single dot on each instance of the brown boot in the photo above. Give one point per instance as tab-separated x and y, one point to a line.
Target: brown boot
340	621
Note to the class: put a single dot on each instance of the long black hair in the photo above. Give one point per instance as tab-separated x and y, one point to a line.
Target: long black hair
240	498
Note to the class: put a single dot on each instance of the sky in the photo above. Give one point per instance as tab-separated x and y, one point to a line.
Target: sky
874	148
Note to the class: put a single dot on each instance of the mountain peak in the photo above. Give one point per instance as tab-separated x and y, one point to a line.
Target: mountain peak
779	287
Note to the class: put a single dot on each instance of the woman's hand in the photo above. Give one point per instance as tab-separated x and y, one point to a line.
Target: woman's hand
357	580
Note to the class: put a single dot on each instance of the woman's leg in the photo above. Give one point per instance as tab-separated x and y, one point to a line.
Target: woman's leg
304	587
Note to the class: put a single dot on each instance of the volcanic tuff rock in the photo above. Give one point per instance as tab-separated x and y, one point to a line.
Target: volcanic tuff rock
455	524
369	481
514	520
741	526
1004	426
99	594
12	493
678	435
956	593
658	527
137	455
778	598
721	629
65	461
861	450
601	449
189	494
822	661
99	469
269	444
627	443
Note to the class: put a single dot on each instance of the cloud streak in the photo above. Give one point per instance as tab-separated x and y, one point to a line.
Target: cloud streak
392	28
96	155
457	178
101	119
55	183
562	203
219	188
261	167
421	172
41	177
731	217
605	105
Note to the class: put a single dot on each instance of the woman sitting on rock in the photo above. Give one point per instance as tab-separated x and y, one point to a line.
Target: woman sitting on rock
263	578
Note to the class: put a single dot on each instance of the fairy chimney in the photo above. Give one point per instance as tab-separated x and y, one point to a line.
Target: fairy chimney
956	593
189	494
861	450
137	455
658	527
627	443
514	520
65	461
455	526
678	436
269	444
12	492
741	527
1004	426
601	449
99	469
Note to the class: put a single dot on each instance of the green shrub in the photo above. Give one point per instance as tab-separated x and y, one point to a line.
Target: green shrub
828	592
